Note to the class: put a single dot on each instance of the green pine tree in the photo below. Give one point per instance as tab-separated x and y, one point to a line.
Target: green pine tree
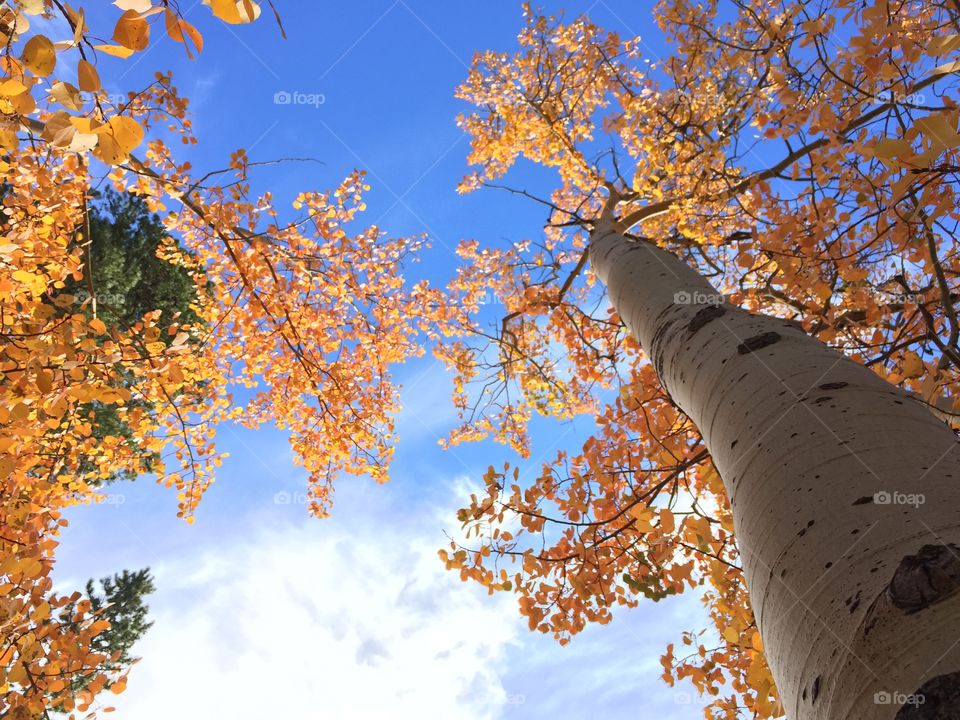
119	600
128	280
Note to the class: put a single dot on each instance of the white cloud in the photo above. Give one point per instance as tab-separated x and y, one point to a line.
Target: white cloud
261	611
320	622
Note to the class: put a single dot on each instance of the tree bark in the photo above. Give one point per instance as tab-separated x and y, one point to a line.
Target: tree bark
843	488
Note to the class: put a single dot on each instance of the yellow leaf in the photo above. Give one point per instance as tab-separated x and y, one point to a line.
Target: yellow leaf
174	31
115	50
11	87
118	137
79	24
179	30
45	381
85	125
233	11
248	10
944	45
17	674
726	522
23	104
643	516
667	521
56	685
892	147
67	95
39	55
42	612
83	142
132	31
98	326
939	130
731	635
912	366
24	276
89	79
195	37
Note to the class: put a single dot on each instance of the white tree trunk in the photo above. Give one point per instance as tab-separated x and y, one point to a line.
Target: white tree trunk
844	493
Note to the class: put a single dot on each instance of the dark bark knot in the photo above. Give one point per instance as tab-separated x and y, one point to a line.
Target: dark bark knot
833	386
704	316
936	699
757	342
924	579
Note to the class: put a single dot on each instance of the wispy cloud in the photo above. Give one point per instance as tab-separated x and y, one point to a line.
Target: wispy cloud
320	622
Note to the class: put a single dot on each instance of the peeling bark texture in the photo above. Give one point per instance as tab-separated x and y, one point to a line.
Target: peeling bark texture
859	612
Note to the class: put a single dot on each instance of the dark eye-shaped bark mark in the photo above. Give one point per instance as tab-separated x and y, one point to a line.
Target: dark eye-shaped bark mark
757	342
704	316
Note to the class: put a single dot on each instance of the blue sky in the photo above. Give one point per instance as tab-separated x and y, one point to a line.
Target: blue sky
261	609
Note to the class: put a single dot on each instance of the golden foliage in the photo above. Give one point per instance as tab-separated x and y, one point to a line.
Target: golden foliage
305	317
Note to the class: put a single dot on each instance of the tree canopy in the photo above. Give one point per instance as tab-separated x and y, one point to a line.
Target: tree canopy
306	317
